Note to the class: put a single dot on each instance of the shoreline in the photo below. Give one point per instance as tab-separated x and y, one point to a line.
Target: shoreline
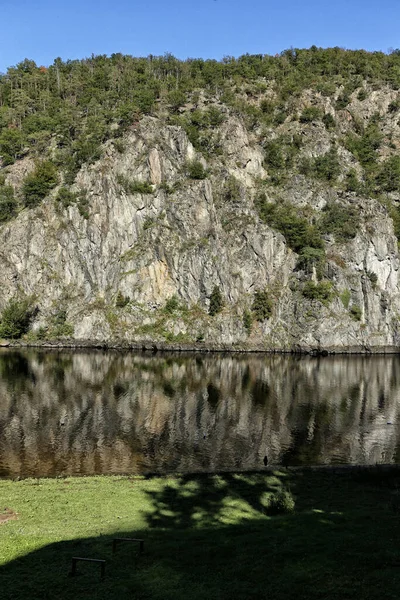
197	347
336	469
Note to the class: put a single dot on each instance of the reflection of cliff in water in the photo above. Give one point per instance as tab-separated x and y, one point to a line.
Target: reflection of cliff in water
105	412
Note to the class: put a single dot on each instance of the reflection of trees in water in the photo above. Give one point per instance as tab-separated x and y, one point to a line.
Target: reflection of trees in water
116	412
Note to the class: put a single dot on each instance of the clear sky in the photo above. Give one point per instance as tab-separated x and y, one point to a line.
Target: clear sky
45	29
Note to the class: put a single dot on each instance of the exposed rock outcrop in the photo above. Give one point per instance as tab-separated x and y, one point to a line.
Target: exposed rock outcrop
188	236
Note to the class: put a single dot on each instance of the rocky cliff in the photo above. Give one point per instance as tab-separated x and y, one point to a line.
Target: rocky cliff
155	227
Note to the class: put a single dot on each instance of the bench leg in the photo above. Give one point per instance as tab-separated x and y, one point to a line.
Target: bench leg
73	568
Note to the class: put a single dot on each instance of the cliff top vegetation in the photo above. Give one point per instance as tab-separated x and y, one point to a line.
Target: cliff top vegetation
65	112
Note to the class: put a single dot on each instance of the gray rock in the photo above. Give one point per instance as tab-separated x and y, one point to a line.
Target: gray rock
185	239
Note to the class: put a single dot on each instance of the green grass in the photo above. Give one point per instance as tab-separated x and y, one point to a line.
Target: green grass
206	537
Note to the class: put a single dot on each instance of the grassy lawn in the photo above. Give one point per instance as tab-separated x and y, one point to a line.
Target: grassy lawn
205	537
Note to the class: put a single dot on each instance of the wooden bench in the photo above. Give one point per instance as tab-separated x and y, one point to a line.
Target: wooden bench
101	562
118	540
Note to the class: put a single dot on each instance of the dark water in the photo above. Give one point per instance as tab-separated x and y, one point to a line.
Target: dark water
103	412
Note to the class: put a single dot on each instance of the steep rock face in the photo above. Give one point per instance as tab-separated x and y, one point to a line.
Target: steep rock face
188	236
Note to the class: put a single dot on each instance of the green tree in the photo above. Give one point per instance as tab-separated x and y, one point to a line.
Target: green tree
196	170
274	156
327	166
352	182
321	291
310	114
356	312
310	258
65	197
364	147
121	300
176	99
262	305
171	305
340	220
16	318
11	144
287	219
388	177
215	116
216	301
8	203
329	121
39	183
247	321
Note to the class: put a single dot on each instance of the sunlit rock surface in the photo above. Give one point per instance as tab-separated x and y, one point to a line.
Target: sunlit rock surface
185	238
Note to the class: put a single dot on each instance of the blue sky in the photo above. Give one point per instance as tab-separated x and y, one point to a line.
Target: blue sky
43	30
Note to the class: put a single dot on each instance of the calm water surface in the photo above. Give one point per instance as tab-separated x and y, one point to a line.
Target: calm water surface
104	412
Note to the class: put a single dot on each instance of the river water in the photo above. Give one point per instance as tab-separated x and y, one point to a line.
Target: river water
95	412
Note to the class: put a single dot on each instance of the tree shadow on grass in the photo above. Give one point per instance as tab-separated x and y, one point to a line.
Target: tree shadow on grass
207	500
211	537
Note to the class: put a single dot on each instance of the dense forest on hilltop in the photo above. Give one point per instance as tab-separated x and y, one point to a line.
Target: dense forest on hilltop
63	113
70	108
